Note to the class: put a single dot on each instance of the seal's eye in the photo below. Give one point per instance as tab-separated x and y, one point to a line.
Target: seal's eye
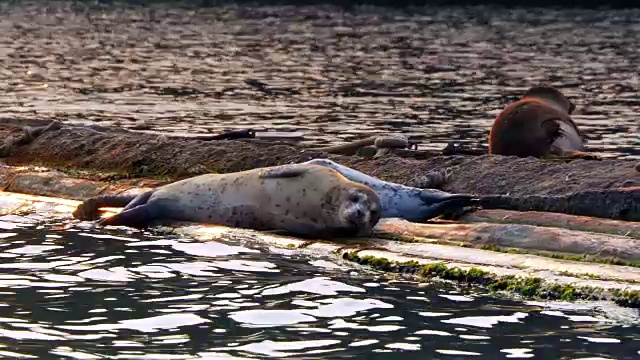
354	198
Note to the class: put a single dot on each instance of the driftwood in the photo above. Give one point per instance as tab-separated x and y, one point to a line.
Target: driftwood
572	222
525	237
29	134
519	236
620	203
347	149
529	275
604	189
382	145
506	260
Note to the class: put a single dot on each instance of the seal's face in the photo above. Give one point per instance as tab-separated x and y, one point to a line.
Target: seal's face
359	211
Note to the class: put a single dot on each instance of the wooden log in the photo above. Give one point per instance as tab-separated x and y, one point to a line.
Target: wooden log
476	234
280	135
508	261
348	148
557	220
619	204
518	236
56	184
528	275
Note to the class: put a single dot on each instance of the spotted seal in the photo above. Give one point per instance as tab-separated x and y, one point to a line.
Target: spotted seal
405	202
538	125
301	199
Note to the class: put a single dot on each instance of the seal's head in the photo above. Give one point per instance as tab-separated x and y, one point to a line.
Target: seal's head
355	208
551	96
315	200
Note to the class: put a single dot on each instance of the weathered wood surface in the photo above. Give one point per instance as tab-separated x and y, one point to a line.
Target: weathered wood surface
530	275
520	233
520	236
606	189
572	222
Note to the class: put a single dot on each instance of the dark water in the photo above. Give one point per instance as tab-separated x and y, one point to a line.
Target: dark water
78	294
434	74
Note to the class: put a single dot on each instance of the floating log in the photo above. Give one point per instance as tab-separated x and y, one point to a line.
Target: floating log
616	203
604	189
528	275
572	222
518	236
597	243
349	148
279	135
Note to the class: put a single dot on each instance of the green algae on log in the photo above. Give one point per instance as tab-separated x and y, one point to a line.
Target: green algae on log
527	286
606	189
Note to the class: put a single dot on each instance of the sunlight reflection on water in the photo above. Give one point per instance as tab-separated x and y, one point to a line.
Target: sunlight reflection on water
137	295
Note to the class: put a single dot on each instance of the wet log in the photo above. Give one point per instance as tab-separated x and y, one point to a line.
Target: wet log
477	234
347	149
604	189
571	222
508	261
619	203
57	184
525	274
525	237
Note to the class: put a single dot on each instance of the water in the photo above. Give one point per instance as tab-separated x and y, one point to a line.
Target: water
72	293
446	71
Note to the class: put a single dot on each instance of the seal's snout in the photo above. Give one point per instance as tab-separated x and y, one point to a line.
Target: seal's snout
358	215
360	221
362	211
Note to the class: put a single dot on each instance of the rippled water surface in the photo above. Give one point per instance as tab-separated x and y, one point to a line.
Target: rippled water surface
434	74
79	294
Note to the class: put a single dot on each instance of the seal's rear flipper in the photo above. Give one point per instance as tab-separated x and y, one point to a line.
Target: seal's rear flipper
139	200
137	217
450	206
88	209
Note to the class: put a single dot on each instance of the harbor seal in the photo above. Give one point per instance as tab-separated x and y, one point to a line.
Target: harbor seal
301	199
405	202
538	125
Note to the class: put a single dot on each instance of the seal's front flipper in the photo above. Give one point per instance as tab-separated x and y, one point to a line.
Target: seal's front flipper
284	171
137	217
450	205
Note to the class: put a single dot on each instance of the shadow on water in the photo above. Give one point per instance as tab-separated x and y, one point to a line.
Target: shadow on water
120	294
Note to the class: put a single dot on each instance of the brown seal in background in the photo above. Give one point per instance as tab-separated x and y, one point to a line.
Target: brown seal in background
538	125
